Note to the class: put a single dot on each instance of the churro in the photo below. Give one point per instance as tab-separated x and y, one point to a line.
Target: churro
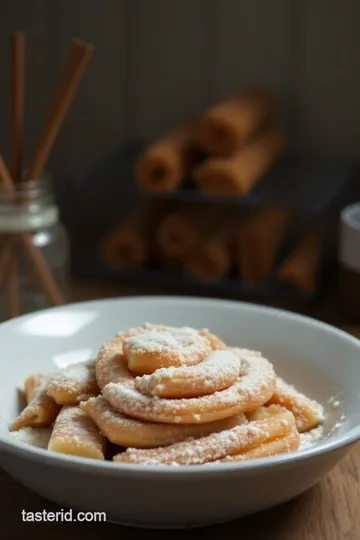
227	126
187	227
130	432
74	384
264	411
259	237
128	244
238	174
166	347
38	437
215	446
110	366
308	413
33	383
40	412
76	434
168	396
288	443
300	268
218	371
163	165
254	388
213	258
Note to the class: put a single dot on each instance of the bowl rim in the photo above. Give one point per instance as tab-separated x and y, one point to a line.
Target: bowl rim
94	466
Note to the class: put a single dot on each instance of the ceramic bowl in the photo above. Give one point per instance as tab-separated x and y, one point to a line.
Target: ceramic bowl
320	360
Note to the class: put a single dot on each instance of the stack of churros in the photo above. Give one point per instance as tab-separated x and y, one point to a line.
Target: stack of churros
225	151
167	396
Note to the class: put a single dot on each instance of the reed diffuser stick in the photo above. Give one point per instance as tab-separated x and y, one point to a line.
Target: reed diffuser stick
17	64
77	59
72	72
6	249
40	266
17	85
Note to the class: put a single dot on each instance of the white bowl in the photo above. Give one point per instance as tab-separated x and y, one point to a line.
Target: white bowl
320	360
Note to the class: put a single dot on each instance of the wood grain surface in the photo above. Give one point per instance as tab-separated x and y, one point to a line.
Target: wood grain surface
329	511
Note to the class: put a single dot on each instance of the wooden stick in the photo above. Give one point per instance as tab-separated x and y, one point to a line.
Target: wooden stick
5	256
6	178
42	271
36	257
72	73
12	301
17	59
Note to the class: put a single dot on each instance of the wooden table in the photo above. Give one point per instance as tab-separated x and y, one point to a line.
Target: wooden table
329	511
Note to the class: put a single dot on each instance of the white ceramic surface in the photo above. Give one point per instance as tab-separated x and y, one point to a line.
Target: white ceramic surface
320	360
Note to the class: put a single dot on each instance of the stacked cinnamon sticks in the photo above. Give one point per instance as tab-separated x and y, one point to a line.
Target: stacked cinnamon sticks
12	245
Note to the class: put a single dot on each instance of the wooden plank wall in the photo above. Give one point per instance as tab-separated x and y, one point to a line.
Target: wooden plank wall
159	62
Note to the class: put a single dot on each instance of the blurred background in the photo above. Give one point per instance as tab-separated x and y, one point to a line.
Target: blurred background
260	220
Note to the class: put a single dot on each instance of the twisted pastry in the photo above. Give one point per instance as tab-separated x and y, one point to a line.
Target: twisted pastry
113	363
129	432
282	445
41	411
254	388
215	446
34	382
167	347
170	396
308	413
218	371
74	384
76	434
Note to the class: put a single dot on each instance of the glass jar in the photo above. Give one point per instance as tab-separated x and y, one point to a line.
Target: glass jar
30	215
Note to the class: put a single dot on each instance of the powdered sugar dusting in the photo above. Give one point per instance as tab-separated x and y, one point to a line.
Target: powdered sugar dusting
254	388
38	437
36	383
308	412
159	341
76	382
210	448
334	402
74	430
40	412
311	437
171	346
216	372
111	364
125	431
75	374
